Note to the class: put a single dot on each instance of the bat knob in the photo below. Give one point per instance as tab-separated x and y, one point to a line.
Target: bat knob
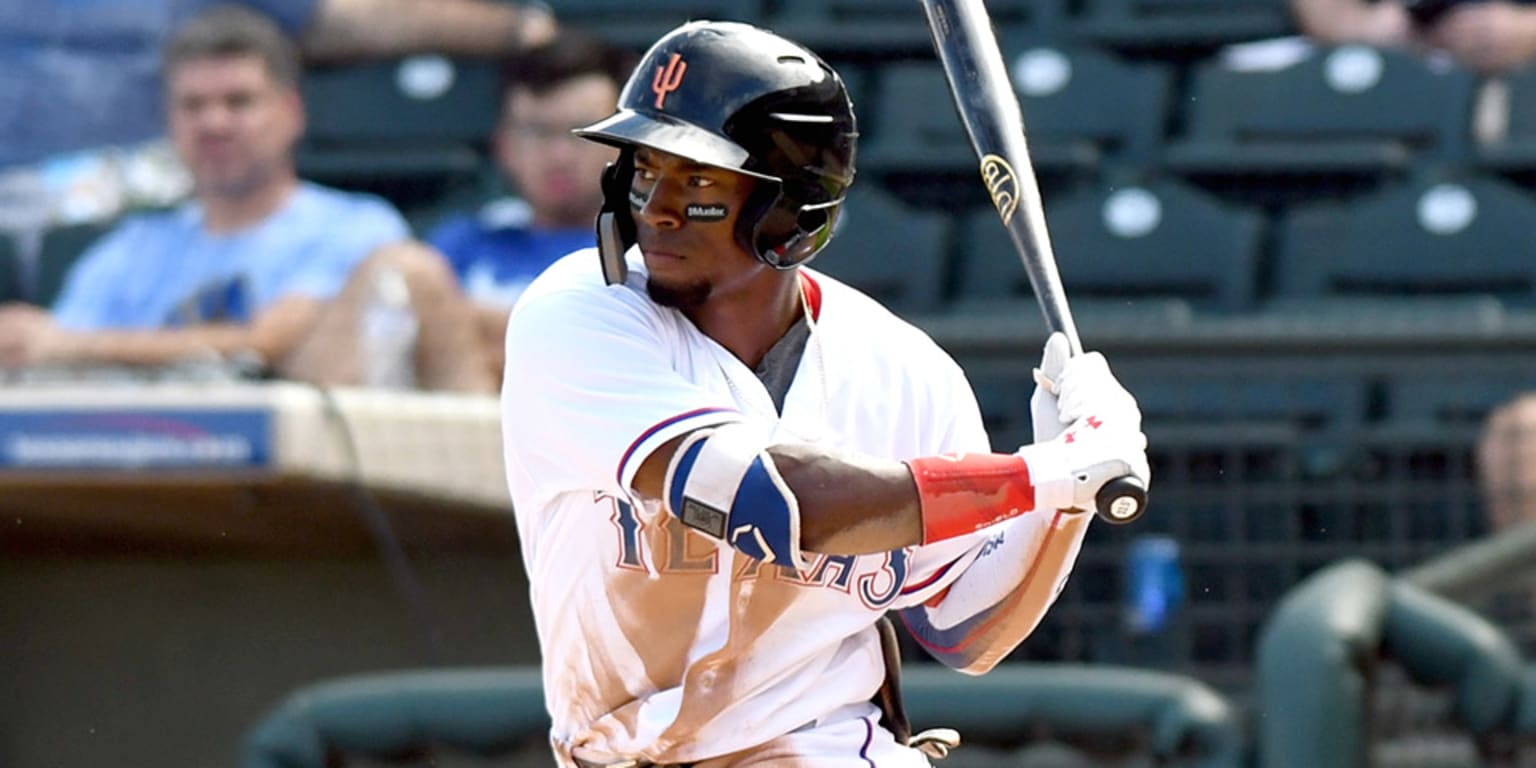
1121	500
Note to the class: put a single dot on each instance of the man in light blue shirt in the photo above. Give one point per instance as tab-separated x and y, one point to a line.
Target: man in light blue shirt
223	277
83	74
250	265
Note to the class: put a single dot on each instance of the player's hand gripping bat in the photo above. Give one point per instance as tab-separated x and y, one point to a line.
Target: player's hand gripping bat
963	38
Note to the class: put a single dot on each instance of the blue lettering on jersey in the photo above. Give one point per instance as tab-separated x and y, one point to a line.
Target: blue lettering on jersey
841	566
892	575
628	523
685	551
876	588
679	541
991	545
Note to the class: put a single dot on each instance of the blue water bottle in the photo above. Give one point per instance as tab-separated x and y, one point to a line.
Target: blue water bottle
1154	584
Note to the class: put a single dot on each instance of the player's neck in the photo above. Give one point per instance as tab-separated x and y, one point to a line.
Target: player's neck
750	322
234	212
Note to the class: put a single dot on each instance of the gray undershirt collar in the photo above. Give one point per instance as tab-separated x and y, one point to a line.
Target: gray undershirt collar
777	370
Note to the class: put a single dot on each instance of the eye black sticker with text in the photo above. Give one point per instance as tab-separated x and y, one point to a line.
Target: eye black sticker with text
705	212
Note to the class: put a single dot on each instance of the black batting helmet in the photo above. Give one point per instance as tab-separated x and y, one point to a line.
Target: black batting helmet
735	96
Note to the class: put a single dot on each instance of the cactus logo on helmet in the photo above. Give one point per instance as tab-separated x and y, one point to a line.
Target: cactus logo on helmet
668	78
734	96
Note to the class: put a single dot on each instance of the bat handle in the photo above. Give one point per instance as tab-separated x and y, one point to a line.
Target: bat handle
1121	500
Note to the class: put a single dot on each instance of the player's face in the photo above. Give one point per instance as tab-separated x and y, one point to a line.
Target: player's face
556	172
685	217
233	125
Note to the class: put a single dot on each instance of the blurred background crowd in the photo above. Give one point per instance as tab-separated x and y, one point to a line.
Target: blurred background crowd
1303	229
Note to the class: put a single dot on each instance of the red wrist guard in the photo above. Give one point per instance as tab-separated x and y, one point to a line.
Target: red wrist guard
963	493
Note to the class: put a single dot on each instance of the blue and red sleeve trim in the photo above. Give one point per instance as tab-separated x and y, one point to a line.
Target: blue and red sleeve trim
656	428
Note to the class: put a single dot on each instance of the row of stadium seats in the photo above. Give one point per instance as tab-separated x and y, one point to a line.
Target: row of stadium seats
1350	111
883	27
1437	236
418	128
1356	666
1320	410
1454	236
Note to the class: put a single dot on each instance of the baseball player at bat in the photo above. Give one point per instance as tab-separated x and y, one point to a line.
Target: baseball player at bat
728	467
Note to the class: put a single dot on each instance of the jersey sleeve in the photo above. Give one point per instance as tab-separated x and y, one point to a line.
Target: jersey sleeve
955	426
591	390
973	599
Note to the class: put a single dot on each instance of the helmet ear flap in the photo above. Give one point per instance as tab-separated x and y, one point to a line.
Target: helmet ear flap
783	232
616	220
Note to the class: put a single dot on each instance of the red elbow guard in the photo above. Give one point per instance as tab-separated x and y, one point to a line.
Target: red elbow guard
963	493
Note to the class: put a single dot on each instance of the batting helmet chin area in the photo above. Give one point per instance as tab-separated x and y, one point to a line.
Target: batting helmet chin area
738	97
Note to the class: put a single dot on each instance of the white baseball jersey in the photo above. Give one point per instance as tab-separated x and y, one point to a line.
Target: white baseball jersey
658	643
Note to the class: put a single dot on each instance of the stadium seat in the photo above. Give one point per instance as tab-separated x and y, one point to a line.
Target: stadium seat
1511	147
485	712
1004	400
418	98
1437	236
62	247
1093	707
489	712
893	252
1462	397
407	129
1320	651
1350	110
1307	400
1082	108
1085	96
888	29
1314	411
10	274
638	25
1132	243
1169	25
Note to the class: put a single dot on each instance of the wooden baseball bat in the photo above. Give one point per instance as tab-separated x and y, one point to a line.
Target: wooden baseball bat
984	96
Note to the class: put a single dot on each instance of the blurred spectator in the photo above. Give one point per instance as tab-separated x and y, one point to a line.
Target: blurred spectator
78	75
570	81
487	257
1488	36
248	265
1506	460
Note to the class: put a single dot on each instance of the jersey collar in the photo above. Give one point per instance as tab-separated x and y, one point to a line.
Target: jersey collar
811	290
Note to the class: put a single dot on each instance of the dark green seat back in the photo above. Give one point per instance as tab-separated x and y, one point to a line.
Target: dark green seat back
1436	236
889	250
1161	240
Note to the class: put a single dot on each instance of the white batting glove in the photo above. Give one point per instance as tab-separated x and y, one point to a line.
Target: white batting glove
1086	388
1043	411
1069	471
1103	442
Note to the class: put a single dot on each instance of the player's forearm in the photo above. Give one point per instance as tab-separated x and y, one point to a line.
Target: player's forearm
823	501
850	505
271	336
148	348
988	629
368	28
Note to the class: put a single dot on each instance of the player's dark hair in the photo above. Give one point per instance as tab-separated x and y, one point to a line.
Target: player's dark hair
227	30
570	54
